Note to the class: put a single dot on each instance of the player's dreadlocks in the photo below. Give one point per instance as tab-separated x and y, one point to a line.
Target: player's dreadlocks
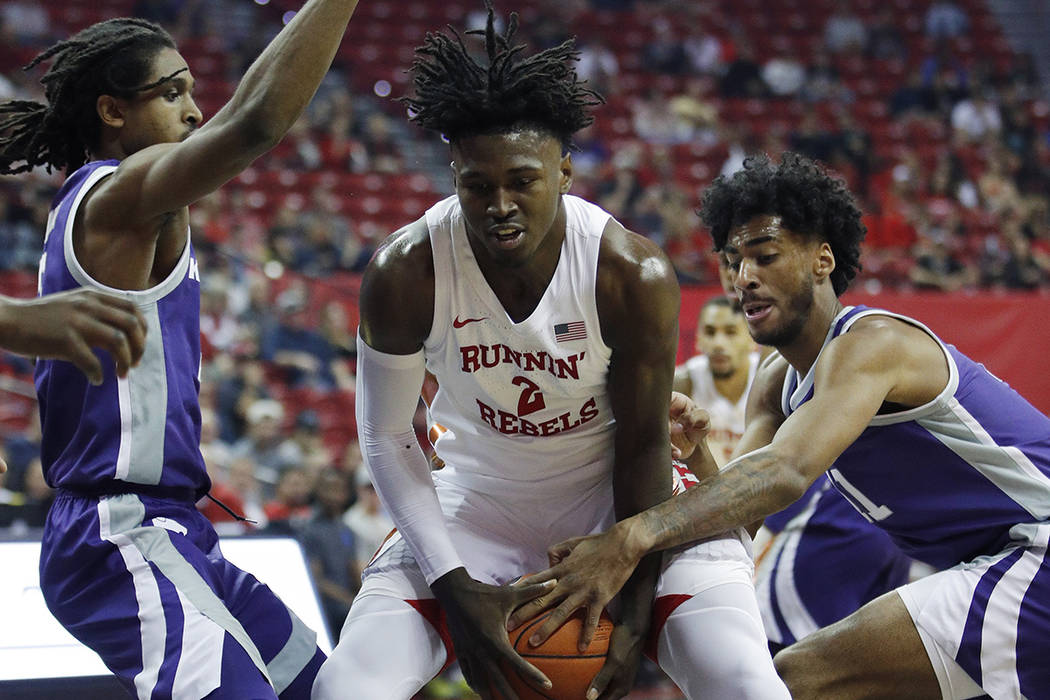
458	96
806	198
109	58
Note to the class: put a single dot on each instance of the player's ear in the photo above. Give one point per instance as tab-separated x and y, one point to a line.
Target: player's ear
824	262
110	111
565	176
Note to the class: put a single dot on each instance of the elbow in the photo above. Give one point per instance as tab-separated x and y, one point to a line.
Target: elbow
791	484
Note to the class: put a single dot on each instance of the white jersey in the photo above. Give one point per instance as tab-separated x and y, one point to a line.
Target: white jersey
727	417
524	404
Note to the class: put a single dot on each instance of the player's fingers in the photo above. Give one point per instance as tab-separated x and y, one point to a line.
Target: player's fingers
555	620
84	359
601	681
3	465
559	551
590	626
125	318
526	671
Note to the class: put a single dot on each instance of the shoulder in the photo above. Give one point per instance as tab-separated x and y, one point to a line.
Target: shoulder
874	342
635	286
397	291
628	261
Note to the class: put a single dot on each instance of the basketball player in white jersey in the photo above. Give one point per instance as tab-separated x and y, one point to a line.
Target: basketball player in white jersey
551	331
719	377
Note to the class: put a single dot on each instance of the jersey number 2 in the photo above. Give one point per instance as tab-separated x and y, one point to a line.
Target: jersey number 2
531	399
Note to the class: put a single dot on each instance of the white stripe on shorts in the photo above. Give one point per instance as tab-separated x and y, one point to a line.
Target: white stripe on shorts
200	665
152	627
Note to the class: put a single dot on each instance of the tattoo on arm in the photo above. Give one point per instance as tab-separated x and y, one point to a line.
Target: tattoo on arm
749	488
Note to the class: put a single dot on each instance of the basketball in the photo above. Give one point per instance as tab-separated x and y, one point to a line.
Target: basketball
559	657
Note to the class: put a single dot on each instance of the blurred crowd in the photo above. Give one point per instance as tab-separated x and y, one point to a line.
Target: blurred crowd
941	130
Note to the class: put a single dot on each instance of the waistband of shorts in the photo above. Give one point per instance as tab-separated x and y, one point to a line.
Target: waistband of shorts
168	493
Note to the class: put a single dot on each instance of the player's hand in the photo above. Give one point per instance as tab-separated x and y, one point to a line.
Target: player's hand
67	325
616	678
689	425
589	572
477	620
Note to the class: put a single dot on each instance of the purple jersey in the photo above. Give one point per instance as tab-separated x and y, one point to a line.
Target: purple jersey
143	429
964	475
824	562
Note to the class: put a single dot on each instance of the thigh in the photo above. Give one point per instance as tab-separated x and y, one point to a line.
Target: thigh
142	583
874	653
709	636
390	645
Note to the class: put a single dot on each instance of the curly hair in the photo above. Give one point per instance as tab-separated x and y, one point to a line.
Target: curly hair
807	199
458	96
109	58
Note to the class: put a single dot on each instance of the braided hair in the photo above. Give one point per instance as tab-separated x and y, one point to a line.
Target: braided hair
458	96
807	199
109	58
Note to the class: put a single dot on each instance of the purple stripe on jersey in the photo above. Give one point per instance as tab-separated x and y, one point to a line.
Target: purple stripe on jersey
174	619
786	637
1032	639
969	656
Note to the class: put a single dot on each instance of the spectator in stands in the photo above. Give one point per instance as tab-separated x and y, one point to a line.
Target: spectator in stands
337	332
384	153
29	21
743	76
665	52
293	343
219	326
844	31
19	238
652	118
262	442
704	49
996	186
290	506
331	548
217	454
237	392
783	74
822	82
946	20
695	114
937	267
977	117
599	66
811	138
242	481
366	518
885	40
305	446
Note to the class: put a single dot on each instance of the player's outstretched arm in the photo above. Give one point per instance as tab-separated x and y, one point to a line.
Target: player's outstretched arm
271	96
68	325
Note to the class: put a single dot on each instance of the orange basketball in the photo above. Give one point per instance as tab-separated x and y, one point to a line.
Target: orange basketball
559	657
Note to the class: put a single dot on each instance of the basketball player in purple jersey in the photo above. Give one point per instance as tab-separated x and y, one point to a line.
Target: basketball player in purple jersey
128	565
951	462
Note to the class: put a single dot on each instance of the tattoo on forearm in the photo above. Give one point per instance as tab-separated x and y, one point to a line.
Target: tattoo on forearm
747	490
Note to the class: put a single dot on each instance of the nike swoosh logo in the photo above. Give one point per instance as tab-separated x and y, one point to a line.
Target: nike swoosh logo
456	323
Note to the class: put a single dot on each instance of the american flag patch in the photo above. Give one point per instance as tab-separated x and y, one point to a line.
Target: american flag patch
564	332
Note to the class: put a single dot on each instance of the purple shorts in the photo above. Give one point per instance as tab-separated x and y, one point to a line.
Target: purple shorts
142	582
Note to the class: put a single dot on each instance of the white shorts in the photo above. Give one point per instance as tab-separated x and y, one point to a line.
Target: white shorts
986	623
501	539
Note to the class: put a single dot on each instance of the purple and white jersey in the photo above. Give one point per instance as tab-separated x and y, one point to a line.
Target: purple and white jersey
963	475
145	428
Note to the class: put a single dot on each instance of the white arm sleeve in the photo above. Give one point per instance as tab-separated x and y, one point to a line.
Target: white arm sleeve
387	395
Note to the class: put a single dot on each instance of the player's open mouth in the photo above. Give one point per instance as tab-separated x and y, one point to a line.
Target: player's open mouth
756	311
506	236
